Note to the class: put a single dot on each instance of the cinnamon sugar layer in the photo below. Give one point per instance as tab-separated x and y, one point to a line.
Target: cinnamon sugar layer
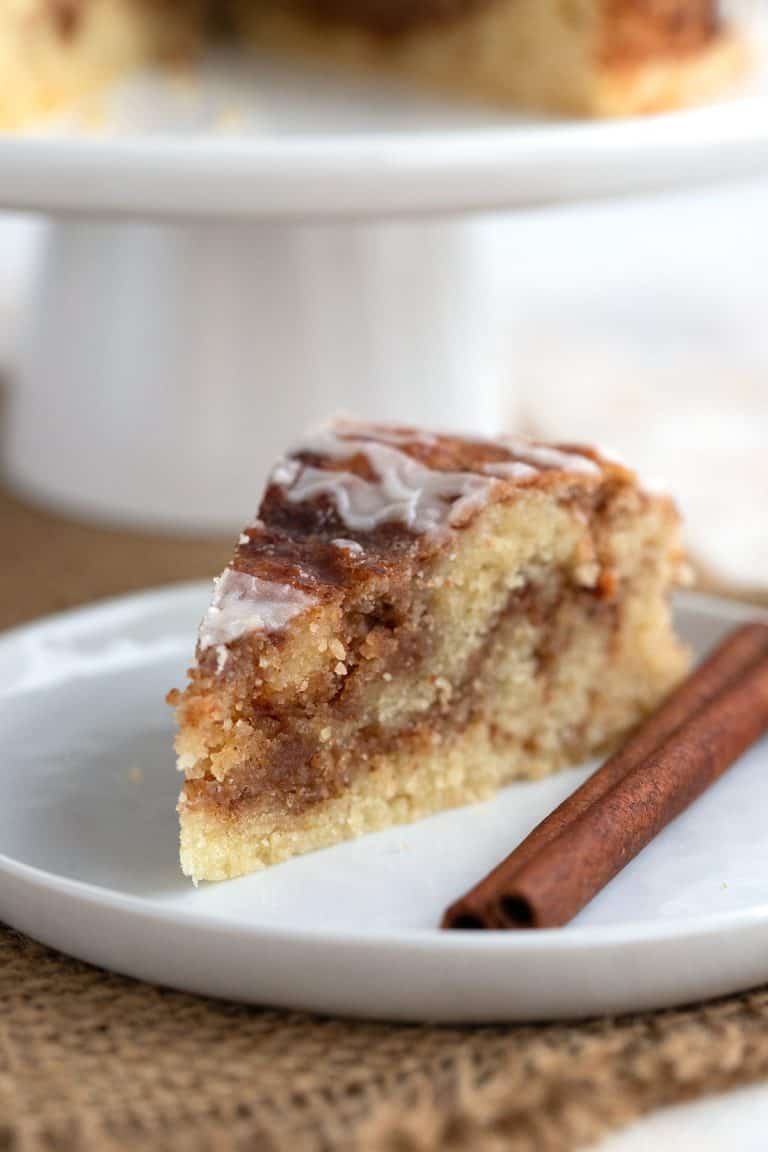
304	766
349	505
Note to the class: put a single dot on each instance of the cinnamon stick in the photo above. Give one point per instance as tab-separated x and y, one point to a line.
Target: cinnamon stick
700	729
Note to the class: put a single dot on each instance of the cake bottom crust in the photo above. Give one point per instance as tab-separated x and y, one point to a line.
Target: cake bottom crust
217	844
449	769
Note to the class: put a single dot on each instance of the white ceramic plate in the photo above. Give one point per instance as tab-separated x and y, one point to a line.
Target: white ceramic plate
244	140
88	835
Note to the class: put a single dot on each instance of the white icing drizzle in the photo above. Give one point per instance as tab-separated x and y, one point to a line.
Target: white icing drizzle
348	546
243	603
285	472
404	490
510	470
544	456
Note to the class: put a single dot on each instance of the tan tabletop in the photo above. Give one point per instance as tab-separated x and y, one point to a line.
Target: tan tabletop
91	1062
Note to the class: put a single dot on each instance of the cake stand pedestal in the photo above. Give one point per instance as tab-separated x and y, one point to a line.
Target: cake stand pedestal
204	297
163	368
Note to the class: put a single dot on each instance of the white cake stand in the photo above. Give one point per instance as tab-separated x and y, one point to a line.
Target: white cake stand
235	257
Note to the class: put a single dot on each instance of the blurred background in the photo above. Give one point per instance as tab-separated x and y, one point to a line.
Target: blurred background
151	370
639	325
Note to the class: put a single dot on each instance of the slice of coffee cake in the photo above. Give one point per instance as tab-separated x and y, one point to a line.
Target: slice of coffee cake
413	621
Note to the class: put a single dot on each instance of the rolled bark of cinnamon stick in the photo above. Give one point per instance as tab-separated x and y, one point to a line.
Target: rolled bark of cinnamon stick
594	833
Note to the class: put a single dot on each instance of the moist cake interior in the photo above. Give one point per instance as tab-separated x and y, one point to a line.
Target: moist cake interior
413	621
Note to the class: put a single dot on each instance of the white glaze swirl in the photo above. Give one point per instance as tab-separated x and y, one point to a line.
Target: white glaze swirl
402	489
243	603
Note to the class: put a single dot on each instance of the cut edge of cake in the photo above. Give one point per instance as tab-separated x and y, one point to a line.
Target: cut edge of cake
413	621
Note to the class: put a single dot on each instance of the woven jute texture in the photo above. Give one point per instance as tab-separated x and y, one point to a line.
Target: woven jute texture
92	1062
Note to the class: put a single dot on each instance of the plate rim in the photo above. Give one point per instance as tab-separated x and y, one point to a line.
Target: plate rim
598	937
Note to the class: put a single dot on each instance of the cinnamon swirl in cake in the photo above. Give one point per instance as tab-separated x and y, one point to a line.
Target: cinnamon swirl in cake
413	621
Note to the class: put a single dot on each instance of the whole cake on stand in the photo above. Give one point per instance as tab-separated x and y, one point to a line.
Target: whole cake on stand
589	57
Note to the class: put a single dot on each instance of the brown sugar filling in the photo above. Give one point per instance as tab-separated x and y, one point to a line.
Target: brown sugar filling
299	770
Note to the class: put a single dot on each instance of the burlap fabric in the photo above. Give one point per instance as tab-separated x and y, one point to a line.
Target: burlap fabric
92	1062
